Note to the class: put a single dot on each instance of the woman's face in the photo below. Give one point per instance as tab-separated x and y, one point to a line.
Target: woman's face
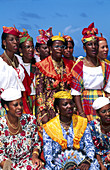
66	108
68	51
91	48
27	50
44	51
57	50
11	43
104	114
15	108
103	49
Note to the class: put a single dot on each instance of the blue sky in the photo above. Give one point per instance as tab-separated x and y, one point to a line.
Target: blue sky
65	16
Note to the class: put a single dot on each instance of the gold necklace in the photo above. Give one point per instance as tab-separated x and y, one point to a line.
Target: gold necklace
90	63
10	61
66	123
15	132
105	128
11	124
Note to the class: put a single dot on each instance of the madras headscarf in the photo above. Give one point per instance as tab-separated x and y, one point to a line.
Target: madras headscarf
62	95
24	36
11	30
102	38
67	37
44	36
89	33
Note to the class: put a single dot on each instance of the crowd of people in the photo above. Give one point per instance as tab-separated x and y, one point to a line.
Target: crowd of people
54	107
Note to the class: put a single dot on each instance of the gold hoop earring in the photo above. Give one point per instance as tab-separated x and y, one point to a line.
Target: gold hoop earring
21	54
7	109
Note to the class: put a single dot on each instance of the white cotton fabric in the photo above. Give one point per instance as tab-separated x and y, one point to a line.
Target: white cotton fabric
100	102
93	79
11	94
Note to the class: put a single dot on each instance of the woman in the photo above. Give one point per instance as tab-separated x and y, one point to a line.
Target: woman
52	74
90	75
68	51
100	130
41	45
67	130
18	137
10	44
103	49
26	48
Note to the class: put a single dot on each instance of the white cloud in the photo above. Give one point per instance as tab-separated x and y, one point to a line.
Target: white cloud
69	29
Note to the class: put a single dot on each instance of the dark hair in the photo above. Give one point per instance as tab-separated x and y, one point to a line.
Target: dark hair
37	46
56	103
3	102
72	42
4	35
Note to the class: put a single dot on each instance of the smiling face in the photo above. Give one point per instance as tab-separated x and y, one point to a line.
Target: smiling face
65	108
11	43
27	48
104	114
103	49
57	50
91	48
15	108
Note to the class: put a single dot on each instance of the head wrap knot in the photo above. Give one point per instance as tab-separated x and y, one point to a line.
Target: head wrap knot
44	36
62	95
89	33
11	30
24	36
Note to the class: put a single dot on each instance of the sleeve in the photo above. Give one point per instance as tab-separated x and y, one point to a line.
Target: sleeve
35	138
89	146
47	148
107	87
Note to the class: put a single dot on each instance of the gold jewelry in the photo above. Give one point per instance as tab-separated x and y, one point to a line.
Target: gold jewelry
7	109
11	124
35	152
66	123
21	54
105	128
15	132
90	62
5	47
81	113
44	115
10	61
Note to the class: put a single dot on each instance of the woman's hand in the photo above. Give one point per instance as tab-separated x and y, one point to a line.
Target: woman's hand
37	162
84	166
102	167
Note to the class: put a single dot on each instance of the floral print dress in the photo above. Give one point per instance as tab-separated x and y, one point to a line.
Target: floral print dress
101	141
19	147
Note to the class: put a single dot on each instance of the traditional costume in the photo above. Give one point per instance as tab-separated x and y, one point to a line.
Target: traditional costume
42	39
69	39
101	141
50	78
90	82
56	138
22	76
18	148
24	36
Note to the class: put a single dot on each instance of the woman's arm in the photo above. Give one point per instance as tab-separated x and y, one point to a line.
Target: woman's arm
100	162
78	103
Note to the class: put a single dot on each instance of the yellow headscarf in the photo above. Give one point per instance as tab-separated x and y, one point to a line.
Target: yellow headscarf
62	95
